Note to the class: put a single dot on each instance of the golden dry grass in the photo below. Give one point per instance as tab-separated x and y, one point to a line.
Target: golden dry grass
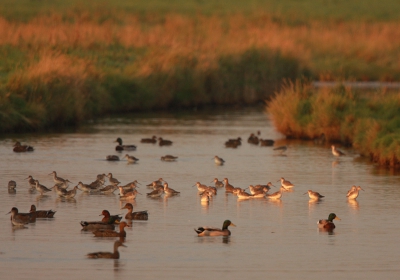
371	124
169	37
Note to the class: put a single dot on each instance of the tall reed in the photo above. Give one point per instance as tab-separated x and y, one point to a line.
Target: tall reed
368	122
62	68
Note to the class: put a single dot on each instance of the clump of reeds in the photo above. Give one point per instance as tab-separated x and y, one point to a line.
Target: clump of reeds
55	90
91	62
370	123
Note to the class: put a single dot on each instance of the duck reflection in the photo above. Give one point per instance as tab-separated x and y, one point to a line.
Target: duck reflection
12	191
116	265
226	239
15	228
335	163
209	239
326	231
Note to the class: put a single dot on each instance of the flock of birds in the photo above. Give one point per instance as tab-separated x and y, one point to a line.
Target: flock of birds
105	227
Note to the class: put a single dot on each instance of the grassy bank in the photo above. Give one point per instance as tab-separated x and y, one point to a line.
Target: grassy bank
370	122
66	62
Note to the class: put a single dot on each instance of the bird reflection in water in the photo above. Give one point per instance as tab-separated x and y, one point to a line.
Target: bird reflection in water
215	239
314	201
226	239
328	231
15	228
12	191
117	265
276	202
68	200
42	197
205	207
353	203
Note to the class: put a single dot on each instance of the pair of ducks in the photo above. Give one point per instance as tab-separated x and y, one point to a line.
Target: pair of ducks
108	222
211	231
21	219
153	140
140	215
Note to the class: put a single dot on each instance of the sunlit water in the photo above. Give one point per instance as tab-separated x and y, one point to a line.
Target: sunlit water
278	240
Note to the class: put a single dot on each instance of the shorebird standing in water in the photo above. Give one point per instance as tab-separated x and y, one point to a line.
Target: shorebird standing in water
314	195
40	188
218	160
217	184
59	180
353	192
112	180
285	183
276	195
336	152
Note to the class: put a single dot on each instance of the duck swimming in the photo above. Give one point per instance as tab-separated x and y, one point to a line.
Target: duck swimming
141	215
209	231
41	213
168	158
107	255
18	148
112	233
110	219
164	142
19	219
96	225
151	140
12	185
328	224
112	158
121	147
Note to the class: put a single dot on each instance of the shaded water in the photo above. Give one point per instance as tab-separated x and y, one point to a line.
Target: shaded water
276	239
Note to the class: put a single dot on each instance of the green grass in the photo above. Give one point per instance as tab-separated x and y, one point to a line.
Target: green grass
123	56
297	10
370	122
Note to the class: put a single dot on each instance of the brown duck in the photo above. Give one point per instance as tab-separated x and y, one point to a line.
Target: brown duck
21	217
112	233
110	219
41	213
152	140
164	142
18	148
107	255
141	215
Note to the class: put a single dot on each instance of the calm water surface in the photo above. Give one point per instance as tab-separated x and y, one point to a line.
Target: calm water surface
279	240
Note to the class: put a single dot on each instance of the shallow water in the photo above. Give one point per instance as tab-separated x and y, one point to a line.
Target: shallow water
277	239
